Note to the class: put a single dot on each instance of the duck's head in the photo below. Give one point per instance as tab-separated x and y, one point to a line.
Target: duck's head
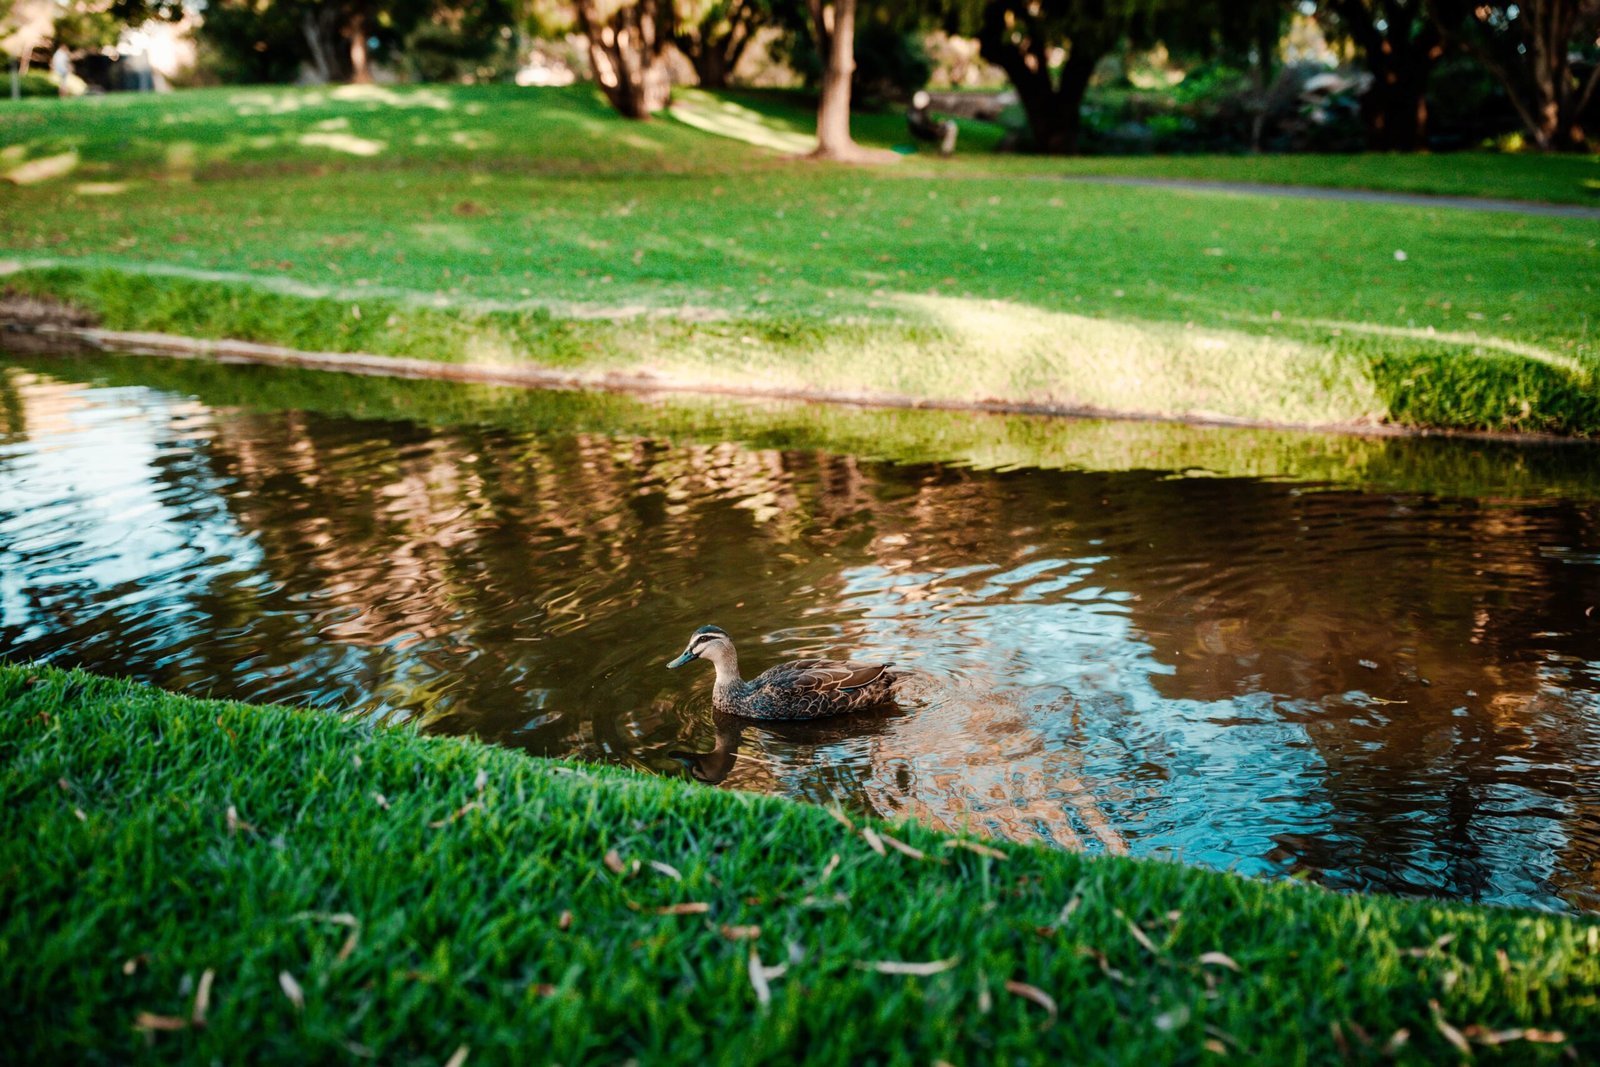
712	642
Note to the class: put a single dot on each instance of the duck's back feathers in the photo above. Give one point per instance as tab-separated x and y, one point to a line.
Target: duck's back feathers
813	688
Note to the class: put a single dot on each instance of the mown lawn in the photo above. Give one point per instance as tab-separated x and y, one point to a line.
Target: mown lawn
193	880
490	224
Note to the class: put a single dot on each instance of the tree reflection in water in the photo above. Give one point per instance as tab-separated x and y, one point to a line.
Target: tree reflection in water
1379	689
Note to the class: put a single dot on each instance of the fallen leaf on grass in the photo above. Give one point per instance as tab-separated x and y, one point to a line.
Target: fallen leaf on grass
908	850
841	818
1221	959
740	933
1451	1034
148	1021
458	1057
454	815
1215	1047
381	800
870	836
693	907
667	869
565	922
613	862
759	975
974	846
832	865
235	824
202	998
132	963
1105	964
338	918
292	990
917	970
1139	935
1397	1041
1037	995
1484	1036
1438	944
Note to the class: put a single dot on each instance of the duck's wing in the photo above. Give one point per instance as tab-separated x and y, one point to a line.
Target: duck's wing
829	675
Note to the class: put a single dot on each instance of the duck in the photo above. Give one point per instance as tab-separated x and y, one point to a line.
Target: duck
802	689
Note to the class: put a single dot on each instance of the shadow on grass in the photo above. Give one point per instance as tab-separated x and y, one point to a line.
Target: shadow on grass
1501	391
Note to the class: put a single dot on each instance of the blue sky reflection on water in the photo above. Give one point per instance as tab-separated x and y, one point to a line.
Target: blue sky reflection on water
1376	691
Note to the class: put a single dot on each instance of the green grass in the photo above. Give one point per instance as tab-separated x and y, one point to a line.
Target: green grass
1375	463
498	225
413	891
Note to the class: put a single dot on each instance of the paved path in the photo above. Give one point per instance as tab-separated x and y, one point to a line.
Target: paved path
1361	196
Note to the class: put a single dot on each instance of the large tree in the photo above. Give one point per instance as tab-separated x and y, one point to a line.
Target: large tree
833	26
628	44
713	35
1399	43
1021	37
1529	48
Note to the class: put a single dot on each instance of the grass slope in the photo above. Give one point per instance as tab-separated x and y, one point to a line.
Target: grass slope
489	224
316	890
1382	463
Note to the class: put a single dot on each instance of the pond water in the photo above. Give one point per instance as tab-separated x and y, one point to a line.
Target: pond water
1372	663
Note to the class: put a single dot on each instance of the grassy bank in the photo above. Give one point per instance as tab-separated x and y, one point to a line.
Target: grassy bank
495	226
308	887
1396	464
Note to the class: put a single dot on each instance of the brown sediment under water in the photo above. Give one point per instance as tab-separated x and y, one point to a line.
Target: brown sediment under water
1369	662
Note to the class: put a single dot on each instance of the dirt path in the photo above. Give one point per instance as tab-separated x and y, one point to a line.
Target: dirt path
1360	196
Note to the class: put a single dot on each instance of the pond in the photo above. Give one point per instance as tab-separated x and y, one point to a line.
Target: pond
1369	662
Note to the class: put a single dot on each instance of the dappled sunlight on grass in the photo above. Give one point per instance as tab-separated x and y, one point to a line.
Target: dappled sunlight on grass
379	94
1465	338
347	143
1083	361
725	118
43	169
101	188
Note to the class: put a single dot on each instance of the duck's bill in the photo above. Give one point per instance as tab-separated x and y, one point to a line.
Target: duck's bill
681	660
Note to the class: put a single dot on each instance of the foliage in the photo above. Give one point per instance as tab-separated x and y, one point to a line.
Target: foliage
439	53
33	83
81	26
891	62
272	40
244	42
223	878
713	35
1529	47
1399	45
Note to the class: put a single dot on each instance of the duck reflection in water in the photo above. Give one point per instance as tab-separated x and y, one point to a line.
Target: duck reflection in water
714	767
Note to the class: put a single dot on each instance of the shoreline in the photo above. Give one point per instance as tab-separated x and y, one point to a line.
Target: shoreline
65	338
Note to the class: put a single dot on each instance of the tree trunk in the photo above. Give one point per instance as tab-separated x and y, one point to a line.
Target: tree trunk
710	68
1054	109
360	69
714	51
320	27
837	43
1400	45
628	52
1395	111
